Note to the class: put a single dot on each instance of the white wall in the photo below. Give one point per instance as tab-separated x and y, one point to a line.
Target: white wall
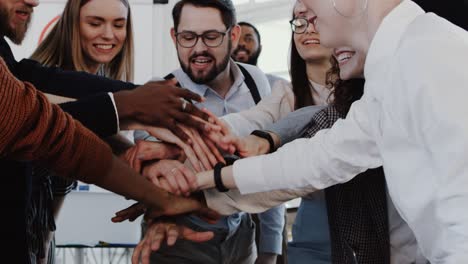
155	55
151	24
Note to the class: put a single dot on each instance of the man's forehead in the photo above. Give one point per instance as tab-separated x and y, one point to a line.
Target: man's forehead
200	16
201	26
200	30
247	30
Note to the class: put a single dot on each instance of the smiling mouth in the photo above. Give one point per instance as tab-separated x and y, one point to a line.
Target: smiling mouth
311	41
104	46
23	14
201	61
344	56
242	53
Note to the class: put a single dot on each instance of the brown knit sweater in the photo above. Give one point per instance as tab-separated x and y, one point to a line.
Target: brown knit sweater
32	129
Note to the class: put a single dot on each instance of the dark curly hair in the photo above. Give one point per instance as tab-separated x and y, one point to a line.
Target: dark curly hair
345	92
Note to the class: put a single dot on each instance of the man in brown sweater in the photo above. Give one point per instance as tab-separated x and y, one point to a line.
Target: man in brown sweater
32	129
102	104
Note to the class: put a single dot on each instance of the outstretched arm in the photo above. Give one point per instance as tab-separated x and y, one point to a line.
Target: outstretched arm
333	156
33	129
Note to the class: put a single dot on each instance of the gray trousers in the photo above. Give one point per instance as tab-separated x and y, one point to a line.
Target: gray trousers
238	249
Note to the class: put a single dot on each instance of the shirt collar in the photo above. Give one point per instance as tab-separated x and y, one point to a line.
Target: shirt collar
185	82
203	89
389	34
239	78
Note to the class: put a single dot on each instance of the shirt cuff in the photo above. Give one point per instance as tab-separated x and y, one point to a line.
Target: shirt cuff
111	95
243	171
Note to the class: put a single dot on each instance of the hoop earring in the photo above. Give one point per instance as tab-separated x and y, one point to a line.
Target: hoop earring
364	8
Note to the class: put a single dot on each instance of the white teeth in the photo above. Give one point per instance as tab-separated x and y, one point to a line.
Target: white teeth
344	56
313	41
202	61
105	47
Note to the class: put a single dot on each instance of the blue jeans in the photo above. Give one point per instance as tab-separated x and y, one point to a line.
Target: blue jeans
311	237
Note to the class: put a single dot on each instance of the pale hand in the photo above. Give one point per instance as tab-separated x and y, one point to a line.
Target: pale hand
158	232
148	150
172	176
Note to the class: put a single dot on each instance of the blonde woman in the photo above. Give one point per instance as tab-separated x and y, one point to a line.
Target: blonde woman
91	36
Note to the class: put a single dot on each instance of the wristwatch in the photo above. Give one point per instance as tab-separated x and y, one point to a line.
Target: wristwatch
267	136
217	177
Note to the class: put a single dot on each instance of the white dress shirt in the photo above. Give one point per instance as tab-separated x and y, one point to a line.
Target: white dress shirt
411	120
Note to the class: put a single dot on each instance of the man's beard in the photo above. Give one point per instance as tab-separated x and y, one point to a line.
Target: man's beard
213	73
17	34
252	59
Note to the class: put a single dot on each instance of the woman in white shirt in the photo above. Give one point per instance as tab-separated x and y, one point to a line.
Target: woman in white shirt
310	64
410	120
310	68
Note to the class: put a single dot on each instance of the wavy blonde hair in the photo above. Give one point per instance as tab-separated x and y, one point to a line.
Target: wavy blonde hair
62	46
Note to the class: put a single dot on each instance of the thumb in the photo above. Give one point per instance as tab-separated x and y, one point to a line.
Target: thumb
191	235
173	81
166	82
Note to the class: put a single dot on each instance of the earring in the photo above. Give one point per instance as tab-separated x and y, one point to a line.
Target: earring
364	8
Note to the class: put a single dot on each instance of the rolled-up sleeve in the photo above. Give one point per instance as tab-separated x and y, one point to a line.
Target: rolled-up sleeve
32	129
333	156
294	124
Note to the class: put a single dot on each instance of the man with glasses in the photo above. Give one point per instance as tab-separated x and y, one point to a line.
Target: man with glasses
249	50
205	33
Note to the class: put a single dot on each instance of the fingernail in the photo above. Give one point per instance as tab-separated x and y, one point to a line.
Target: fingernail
141	156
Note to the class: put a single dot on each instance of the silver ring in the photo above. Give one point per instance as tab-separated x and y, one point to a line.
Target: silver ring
173	170
184	104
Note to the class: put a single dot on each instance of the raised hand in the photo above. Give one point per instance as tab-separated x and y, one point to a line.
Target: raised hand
177	205
148	150
218	132
131	213
167	136
157	232
249	146
200	152
204	145
195	204
160	104
171	175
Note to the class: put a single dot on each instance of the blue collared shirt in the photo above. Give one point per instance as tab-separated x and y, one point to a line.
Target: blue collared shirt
238	99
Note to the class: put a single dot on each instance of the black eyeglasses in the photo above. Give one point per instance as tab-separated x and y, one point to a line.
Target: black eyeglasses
300	25
211	38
